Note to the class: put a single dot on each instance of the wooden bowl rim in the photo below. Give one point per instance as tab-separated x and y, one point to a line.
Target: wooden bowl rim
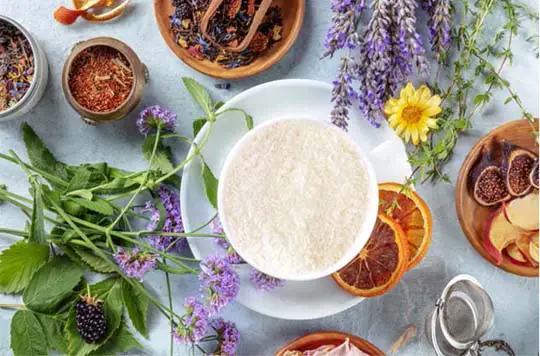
462	191
250	70
329	336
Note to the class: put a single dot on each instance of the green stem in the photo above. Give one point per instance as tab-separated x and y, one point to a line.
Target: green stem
46	175
13	306
169	296
14	232
173	234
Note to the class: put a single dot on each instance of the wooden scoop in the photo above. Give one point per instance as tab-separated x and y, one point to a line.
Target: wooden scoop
257	20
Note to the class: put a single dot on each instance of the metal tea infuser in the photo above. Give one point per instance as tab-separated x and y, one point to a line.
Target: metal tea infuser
462	315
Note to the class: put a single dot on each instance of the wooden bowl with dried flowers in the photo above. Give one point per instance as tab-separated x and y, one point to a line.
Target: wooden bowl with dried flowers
179	23
491	229
316	340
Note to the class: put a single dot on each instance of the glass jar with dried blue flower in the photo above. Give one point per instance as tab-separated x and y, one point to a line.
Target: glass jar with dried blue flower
103	80
24	71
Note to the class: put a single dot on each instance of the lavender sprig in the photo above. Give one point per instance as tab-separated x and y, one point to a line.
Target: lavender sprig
342	32
439	29
343	93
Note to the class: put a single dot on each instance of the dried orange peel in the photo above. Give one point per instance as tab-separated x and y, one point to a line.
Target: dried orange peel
411	212
82	9
381	263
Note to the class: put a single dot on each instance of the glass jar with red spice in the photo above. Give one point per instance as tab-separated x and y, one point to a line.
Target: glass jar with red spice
103	80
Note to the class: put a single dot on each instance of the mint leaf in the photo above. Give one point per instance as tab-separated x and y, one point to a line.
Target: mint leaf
121	341
98	205
162	157
37	225
210	184
110	293
136	304
51	284
198	125
54	332
39	154
249	121
80	180
27	336
96	263
200	95
18	263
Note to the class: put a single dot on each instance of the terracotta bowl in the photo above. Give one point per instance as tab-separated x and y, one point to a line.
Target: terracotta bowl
473	216
315	340
293	17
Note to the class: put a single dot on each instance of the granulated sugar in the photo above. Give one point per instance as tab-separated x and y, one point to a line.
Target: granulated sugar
294	197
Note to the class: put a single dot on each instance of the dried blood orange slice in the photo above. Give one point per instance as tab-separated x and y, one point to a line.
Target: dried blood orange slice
412	214
380	264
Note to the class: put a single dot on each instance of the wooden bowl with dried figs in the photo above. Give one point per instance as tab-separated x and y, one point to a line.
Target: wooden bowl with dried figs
497	198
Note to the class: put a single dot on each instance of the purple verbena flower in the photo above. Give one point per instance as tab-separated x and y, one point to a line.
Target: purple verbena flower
342	32
194	323
153	116
263	281
135	263
219	282
232	256
228	337
173	221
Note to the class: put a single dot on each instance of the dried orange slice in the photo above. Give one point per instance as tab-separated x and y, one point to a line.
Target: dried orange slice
380	264
412	214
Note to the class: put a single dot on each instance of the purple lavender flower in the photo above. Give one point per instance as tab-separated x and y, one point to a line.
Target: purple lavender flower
219	282
342	32
194	323
228	337
173	221
439	28
153	116
135	263
343	93
263	281
232	256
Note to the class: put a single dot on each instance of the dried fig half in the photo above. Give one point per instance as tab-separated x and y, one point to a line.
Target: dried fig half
517	166
487	182
534	175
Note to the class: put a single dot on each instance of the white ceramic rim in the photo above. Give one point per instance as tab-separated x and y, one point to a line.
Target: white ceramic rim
37	66
368	223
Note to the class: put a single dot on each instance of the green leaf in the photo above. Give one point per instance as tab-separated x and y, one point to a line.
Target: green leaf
83	193
136	304
198	125
39	154
109	292
80	180
162	157
51	284
174	270
508	100
18	263
121	341
200	95
27	336
249	122
98	205
37	225
54	332
95	262
218	105
210	184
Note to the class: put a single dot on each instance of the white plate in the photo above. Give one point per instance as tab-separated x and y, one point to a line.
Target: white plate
292	98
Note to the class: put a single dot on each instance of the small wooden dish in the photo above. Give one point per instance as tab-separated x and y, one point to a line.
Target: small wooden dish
315	340
293	17
472	216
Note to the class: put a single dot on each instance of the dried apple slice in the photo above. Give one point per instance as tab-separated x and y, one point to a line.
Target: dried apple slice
515	256
523	212
499	234
524	242
533	248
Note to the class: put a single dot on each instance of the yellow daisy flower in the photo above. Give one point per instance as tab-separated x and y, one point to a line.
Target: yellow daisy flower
411	115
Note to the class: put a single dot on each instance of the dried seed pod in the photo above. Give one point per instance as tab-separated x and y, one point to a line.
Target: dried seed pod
487	183
518	163
534	175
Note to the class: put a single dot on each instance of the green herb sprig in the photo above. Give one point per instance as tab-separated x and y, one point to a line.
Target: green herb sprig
88	228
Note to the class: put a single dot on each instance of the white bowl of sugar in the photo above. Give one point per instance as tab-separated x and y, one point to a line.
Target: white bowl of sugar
297	199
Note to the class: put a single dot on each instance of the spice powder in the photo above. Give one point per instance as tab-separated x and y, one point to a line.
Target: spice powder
100	79
16	65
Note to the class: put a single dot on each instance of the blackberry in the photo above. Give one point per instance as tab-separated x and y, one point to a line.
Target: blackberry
90	319
184	11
